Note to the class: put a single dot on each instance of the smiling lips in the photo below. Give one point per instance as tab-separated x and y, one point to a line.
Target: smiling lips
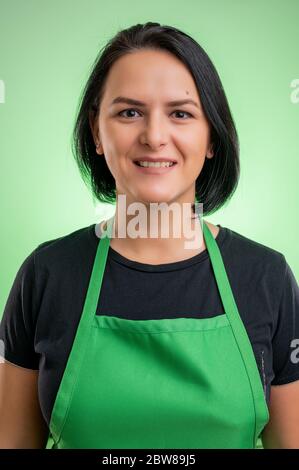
154	167
146	164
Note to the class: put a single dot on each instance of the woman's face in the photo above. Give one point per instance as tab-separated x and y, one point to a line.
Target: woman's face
126	132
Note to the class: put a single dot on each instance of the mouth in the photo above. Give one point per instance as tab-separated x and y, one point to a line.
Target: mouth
154	168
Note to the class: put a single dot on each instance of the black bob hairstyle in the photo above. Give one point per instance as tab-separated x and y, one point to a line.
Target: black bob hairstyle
219	176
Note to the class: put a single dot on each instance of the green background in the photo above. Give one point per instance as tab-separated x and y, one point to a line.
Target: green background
46	53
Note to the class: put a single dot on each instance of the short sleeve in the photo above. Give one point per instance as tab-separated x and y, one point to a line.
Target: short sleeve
17	329
285	341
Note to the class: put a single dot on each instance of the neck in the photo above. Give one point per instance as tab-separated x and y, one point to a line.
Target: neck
157	236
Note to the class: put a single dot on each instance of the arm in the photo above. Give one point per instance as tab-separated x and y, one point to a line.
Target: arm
22	425
282	430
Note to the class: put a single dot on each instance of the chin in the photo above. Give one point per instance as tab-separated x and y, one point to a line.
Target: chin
155	199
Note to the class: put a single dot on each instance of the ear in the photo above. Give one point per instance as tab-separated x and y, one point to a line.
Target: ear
94	127
210	152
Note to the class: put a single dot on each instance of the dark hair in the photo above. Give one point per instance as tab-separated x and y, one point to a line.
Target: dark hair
219	176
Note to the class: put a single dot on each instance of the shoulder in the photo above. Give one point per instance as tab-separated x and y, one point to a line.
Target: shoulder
56	265
254	253
54	254
64	249
256	270
55	260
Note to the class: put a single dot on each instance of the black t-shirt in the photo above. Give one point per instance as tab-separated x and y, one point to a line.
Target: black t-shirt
47	297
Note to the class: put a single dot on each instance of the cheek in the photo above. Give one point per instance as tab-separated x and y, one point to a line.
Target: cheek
115	152
194	141
115	137
193	153
117	146
120	134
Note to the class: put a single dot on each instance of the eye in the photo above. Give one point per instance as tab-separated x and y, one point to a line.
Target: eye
182	112
125	110
134	110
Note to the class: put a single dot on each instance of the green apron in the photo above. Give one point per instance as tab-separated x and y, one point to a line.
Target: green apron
182	383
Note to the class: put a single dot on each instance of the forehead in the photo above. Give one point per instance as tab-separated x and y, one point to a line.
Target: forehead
148	74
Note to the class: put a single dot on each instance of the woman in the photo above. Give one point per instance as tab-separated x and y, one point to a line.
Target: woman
142	341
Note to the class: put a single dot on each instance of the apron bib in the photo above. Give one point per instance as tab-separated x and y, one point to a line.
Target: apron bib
185	383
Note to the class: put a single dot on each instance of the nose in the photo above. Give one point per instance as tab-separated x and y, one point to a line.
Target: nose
154	132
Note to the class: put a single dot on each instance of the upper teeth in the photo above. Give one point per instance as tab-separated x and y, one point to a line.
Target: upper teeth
155	164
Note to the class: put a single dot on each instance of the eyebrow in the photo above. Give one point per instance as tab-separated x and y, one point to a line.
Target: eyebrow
124	99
